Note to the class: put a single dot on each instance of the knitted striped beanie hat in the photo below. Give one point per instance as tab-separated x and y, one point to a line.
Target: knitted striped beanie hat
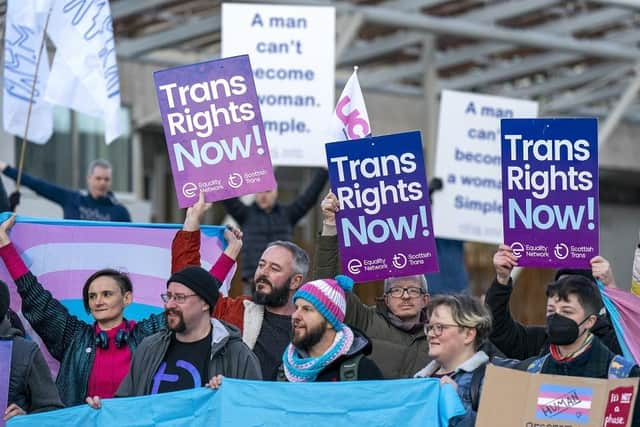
328	297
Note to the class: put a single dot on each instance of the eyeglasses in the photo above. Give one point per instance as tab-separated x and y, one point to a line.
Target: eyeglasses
438	328
411	292
178	298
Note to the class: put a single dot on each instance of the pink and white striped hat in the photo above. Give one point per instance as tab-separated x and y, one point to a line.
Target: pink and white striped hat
328	297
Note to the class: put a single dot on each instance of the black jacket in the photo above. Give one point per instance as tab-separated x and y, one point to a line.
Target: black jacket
261	227
521	342
367	368
593	363
30	384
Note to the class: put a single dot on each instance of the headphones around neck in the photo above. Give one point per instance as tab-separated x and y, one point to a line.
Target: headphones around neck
122	337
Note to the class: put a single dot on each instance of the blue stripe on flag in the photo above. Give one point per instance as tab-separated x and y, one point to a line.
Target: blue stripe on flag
615	321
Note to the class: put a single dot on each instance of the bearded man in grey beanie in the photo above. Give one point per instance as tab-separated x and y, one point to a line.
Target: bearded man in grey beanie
195	349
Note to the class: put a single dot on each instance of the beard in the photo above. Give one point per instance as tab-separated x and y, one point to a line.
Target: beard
278	297
180	326
310	338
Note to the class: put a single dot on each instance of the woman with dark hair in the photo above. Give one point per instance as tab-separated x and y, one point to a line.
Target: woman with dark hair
94	357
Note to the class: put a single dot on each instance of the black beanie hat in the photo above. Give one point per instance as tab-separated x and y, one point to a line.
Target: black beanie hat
4	299
199	281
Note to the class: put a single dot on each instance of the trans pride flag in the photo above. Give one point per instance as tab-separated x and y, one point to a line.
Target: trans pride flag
384	403
624	311
564	403
62	254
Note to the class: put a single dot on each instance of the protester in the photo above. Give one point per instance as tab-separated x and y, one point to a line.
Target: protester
264	318
458	326
194	349
99	204
31	388
267	220
573	303
323	348
395	324
93	357
522	342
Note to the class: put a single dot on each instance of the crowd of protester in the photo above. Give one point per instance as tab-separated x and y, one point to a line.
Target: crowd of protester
294	325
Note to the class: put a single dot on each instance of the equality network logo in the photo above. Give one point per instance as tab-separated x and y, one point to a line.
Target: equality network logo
189	189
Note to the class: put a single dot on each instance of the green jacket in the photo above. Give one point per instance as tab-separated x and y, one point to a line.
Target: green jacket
398	353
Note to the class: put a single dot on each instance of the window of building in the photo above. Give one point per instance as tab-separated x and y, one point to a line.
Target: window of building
77	140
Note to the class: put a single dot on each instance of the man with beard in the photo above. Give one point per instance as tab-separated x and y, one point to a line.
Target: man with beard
194	350
265	317
395	324
322	345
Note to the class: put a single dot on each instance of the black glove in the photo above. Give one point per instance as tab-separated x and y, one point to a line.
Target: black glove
14	200
434	185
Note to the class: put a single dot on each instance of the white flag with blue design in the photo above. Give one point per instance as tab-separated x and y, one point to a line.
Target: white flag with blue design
84	73
25	22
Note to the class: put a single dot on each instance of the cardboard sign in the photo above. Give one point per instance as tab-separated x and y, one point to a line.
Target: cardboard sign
292	52
550	191
214	132
513	398
384	222
469	206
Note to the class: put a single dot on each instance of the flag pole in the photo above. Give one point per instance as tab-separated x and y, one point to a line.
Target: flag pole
33	90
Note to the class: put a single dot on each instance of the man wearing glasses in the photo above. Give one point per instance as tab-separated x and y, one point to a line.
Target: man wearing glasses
395	324
195	349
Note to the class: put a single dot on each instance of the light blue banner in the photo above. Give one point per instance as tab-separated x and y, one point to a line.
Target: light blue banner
240	403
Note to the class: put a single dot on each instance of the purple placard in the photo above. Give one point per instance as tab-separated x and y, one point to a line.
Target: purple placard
214	131
384	222
6	347
550	191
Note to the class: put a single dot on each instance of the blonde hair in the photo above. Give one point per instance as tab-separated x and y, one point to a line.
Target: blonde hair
467	312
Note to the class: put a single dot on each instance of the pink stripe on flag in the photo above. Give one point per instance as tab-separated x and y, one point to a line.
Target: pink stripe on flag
560	394
628	306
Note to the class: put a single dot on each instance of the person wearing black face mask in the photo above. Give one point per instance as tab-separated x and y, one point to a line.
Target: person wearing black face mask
521	342
572	304
563	331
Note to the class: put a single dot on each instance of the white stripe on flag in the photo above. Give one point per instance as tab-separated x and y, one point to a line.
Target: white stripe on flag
585	404
52	257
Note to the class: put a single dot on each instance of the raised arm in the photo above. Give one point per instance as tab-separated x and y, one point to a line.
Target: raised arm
185	248
48	317
56	194
513	339
238	210
308	199
326	262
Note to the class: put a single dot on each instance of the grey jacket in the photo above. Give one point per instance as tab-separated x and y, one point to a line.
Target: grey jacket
30	384
230	357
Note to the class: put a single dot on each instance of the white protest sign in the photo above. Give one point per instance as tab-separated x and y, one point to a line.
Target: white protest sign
291	49
469	206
